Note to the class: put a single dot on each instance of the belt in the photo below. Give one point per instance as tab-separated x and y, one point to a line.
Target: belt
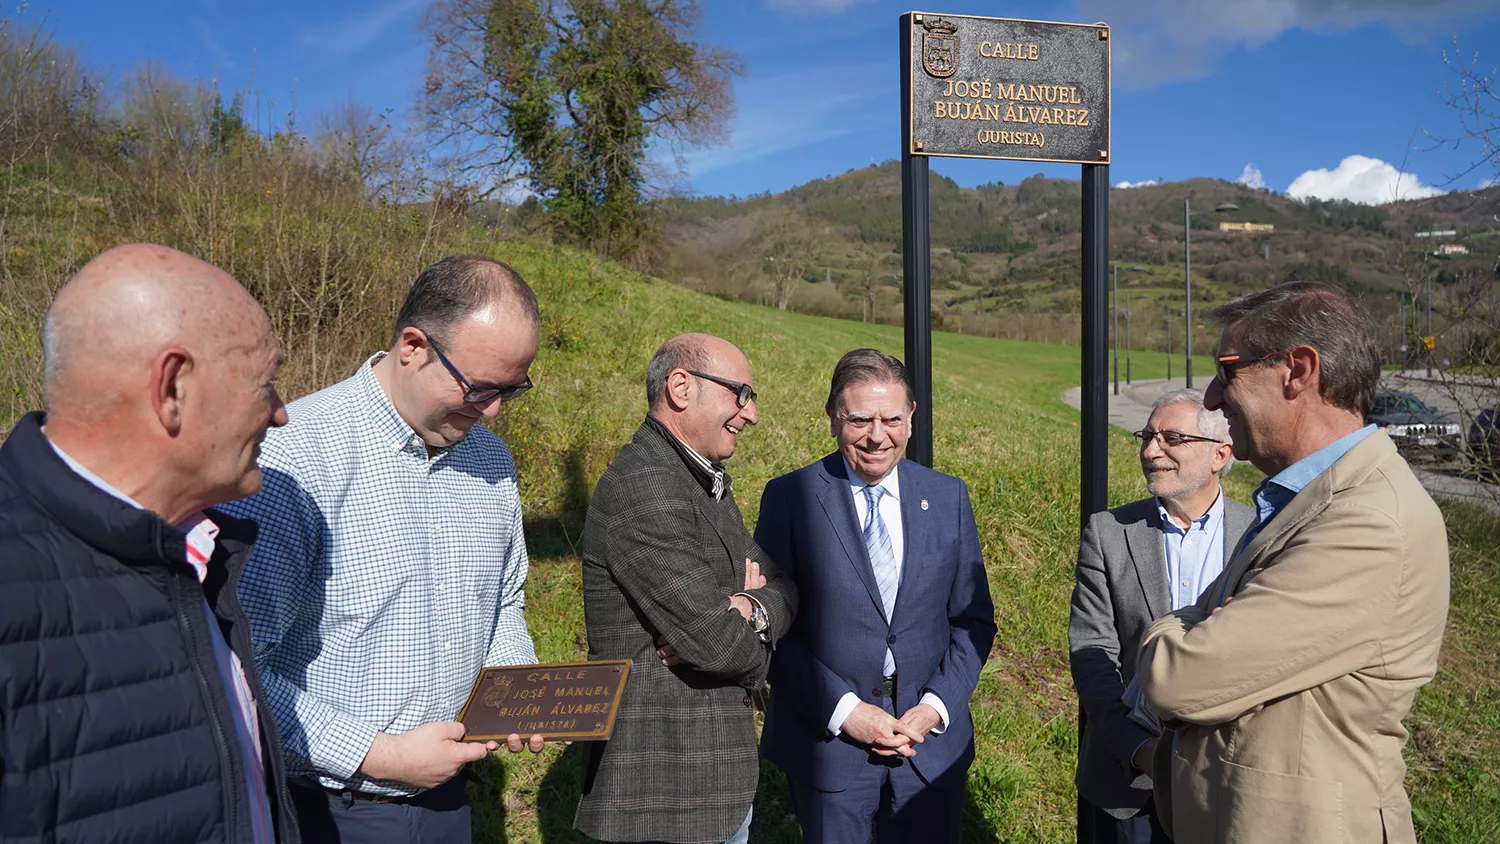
349	795
887	688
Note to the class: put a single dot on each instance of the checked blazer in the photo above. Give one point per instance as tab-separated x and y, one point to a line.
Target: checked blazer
661	558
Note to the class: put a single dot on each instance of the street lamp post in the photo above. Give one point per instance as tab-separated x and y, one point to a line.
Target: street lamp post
1187	273
1429	326
1169	345
1115	299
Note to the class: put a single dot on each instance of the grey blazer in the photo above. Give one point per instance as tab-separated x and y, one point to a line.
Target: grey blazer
1120	588
660	559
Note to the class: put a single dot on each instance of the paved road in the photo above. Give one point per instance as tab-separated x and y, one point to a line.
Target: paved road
1132	406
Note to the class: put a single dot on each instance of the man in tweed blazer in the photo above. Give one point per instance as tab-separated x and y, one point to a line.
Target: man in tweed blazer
673	582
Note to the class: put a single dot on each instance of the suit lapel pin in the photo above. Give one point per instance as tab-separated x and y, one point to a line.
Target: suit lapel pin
924	504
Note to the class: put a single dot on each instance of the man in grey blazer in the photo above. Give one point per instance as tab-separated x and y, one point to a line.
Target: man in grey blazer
673	582
1137	563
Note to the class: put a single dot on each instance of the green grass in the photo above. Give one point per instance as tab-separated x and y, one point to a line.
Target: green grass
1001	426
332	275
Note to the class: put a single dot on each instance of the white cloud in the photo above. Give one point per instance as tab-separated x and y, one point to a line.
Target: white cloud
813	5
354	33
1361	179
1250	177
1166	40
1146	184
216	52
1488	183
778	113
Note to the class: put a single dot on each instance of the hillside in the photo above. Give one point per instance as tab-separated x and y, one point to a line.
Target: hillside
1006	257
999	424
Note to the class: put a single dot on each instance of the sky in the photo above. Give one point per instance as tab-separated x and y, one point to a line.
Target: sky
1325	98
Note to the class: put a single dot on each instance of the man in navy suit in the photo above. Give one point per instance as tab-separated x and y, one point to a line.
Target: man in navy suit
870	689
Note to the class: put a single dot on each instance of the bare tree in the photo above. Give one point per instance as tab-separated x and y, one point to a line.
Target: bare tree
367	148
783	251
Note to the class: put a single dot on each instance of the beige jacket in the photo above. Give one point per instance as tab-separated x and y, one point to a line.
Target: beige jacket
1287	704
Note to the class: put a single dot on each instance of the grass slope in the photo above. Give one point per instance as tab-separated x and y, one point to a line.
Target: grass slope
1001	426
332	270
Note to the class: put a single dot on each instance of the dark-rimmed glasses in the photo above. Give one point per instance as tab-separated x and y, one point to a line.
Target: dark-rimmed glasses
475	394
1227	365
743	395
1170	439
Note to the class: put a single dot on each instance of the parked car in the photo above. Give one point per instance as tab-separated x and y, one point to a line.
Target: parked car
1417	429
1484	438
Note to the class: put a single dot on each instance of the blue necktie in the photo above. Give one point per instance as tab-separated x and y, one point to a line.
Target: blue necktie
882	560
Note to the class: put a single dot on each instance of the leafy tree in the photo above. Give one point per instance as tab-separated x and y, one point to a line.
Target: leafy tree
567	96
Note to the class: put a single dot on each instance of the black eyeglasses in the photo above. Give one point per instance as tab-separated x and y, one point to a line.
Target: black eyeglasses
1227	365
1171	439
743	395
479	395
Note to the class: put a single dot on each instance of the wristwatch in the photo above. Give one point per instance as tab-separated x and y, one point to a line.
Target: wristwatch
760	622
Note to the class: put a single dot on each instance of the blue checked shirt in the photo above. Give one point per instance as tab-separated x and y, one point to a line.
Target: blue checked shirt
383	580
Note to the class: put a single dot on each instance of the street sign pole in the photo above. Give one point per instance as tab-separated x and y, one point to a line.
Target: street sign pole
1114	316
1094	484
917	265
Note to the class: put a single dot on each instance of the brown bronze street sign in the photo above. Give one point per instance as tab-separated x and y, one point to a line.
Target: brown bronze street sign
1008	88
575	700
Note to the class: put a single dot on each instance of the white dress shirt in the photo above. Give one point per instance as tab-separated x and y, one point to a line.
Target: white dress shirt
890	513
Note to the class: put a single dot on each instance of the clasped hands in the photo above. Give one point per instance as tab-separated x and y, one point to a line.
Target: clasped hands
887	735
739	603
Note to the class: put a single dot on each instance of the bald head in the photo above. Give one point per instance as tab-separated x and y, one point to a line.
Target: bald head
125	307
698	352
694	386
158	378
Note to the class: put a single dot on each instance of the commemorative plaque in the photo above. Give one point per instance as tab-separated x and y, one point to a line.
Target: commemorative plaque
1007	88
576	701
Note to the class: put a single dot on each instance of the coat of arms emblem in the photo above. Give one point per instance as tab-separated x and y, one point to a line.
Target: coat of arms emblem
497	690
939	47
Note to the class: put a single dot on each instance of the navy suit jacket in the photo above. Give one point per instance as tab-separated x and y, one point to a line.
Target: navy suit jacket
940	631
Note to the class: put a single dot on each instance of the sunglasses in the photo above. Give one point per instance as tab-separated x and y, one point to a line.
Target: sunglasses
743	395
1226	365
479	395
1170	439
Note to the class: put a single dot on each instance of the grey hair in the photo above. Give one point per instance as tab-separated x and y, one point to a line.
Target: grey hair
863	366
52	353
1211	423
680	352
456	288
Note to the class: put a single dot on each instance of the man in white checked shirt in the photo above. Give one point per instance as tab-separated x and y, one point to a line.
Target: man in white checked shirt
391	563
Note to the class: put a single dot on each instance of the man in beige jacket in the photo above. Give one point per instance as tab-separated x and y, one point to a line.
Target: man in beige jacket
1287	682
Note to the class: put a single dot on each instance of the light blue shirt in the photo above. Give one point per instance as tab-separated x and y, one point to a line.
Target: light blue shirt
1273	494
1195	556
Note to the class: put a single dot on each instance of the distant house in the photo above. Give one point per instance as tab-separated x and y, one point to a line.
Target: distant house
1452	249
1247	227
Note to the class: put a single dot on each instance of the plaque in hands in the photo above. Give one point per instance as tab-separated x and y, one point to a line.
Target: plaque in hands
574	701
